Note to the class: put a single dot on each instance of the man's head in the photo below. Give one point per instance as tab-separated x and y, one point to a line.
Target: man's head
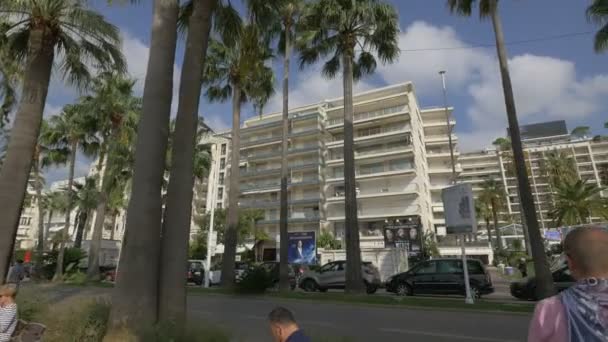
20	262
282	324
587	251
7	294
299	243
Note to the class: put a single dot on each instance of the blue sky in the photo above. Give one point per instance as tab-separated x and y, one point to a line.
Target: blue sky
553	79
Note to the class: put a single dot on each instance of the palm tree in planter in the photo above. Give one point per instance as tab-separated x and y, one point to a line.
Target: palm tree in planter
575	203
64	33
86	201
598	12
236	68
581	131
115	110
493	195
490	9
353	32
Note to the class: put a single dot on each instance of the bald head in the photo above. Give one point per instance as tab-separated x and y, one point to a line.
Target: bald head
587	251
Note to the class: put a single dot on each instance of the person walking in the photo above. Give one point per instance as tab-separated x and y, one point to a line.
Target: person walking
8	312
284	328
580	313
16	273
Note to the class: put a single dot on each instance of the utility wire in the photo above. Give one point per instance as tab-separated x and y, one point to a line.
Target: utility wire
561	36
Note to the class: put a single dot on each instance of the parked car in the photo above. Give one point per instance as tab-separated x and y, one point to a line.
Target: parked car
196	271
441	276
526	288
272	267
333	276
215	276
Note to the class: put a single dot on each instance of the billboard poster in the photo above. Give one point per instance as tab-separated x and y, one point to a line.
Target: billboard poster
459	209
302	248
404	233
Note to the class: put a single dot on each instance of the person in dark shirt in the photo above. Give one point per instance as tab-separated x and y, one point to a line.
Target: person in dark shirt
284	328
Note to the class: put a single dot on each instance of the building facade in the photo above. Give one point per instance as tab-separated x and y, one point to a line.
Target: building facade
589	156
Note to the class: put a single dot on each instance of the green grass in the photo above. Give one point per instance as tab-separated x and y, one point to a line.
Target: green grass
395	301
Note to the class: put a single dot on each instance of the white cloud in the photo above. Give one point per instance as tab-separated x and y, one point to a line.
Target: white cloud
218	122
310	86
50	110
546	88
422	67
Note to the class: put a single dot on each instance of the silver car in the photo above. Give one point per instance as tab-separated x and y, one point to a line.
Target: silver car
333	276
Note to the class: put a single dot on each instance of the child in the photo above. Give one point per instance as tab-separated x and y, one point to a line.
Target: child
8	312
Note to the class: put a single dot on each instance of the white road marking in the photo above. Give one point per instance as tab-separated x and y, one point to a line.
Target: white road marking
450	336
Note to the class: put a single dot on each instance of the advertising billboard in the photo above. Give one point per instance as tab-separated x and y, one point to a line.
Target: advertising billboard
459	209
404	233
302	248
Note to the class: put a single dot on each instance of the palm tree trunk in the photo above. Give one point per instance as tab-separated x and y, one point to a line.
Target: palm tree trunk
40	245
17	164
68	212
354	280
135	296
176	226
95	244
545	287
230	236
82	221
496	228
283	231
489	233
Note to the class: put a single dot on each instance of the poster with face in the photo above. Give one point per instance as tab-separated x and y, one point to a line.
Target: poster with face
302	248
404	233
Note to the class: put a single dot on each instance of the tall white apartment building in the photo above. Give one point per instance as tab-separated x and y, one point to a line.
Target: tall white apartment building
400	164
590	158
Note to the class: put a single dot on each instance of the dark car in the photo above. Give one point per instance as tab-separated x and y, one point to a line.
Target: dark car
272	267
441	276
196	272
525	289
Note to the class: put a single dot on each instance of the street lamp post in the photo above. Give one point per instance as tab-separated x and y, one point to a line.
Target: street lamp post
465	268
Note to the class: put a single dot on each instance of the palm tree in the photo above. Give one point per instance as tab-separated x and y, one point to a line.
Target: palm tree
493	195
10	72
86	201
576	201
115	110
489	9
40	31
338	28
236	68
4	137
483	210
281	18
598	12
558	167
73	131
580	131
178	210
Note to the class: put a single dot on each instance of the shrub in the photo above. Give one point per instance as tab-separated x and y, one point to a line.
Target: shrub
166	332
30	303
76	320
72	257
77	278
255	281
515	257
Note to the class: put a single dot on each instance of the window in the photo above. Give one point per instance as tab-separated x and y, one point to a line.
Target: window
427	268
220	193
450	266
223	149
474	267
222	163
221	179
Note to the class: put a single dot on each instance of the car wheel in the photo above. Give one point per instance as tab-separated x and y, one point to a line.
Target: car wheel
404	289
309	285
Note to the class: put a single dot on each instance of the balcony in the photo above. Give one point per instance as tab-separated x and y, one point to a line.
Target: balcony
276	153
271	203
380	170
359	117
435	139
373	192
294	217
275	184
362	135
437	123
339	158
337	214
261	140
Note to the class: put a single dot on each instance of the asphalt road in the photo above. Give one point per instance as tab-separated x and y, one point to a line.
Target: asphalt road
245	318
